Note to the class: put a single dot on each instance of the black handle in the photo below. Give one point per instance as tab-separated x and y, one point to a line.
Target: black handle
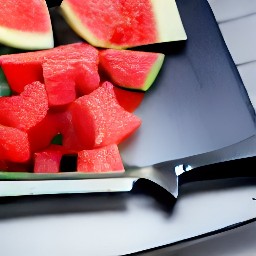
237	160
238	168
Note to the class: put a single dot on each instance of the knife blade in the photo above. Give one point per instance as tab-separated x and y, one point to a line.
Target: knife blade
168	175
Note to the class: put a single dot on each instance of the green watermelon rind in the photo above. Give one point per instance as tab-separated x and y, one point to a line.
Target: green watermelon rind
53	176
155	69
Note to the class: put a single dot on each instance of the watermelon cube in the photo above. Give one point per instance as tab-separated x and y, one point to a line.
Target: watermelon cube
24	111
21	69
99	120
14	145
104	159
71	71
48	160
67	71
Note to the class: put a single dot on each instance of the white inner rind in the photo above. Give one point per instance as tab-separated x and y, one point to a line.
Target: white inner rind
26	40
169	24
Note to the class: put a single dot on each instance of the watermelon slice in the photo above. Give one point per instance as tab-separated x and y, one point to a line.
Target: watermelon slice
25	110
25	24
131	69
104	159
124	24
99	120
67	71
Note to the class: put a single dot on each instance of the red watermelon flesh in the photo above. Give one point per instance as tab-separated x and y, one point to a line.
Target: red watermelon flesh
9	166
40	136
70	139
48	160
60	84
27	109
72	71
18	27
14	145
99	120
66	70
129	100
104	159
131	69
125	23
21	69
3	165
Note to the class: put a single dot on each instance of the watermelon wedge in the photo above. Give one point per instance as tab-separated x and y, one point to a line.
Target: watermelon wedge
25	24
131	69
124	24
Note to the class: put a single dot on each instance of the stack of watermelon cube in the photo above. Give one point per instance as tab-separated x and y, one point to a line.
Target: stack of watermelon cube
71	92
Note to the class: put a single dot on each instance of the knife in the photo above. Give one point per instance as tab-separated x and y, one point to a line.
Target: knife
169	175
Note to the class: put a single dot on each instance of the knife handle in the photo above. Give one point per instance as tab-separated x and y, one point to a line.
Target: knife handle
237	160
239	168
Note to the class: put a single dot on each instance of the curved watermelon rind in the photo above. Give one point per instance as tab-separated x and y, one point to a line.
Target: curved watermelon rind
155	69
26	40
135	70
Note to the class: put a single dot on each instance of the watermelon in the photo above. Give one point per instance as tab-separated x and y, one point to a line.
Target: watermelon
70	72
67	71
48	160
99	120
24	111
14	145
70	139
131	69
41	135
21	69
124	24
18	27
104	159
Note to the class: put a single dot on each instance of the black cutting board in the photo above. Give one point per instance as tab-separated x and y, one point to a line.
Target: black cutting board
197	103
